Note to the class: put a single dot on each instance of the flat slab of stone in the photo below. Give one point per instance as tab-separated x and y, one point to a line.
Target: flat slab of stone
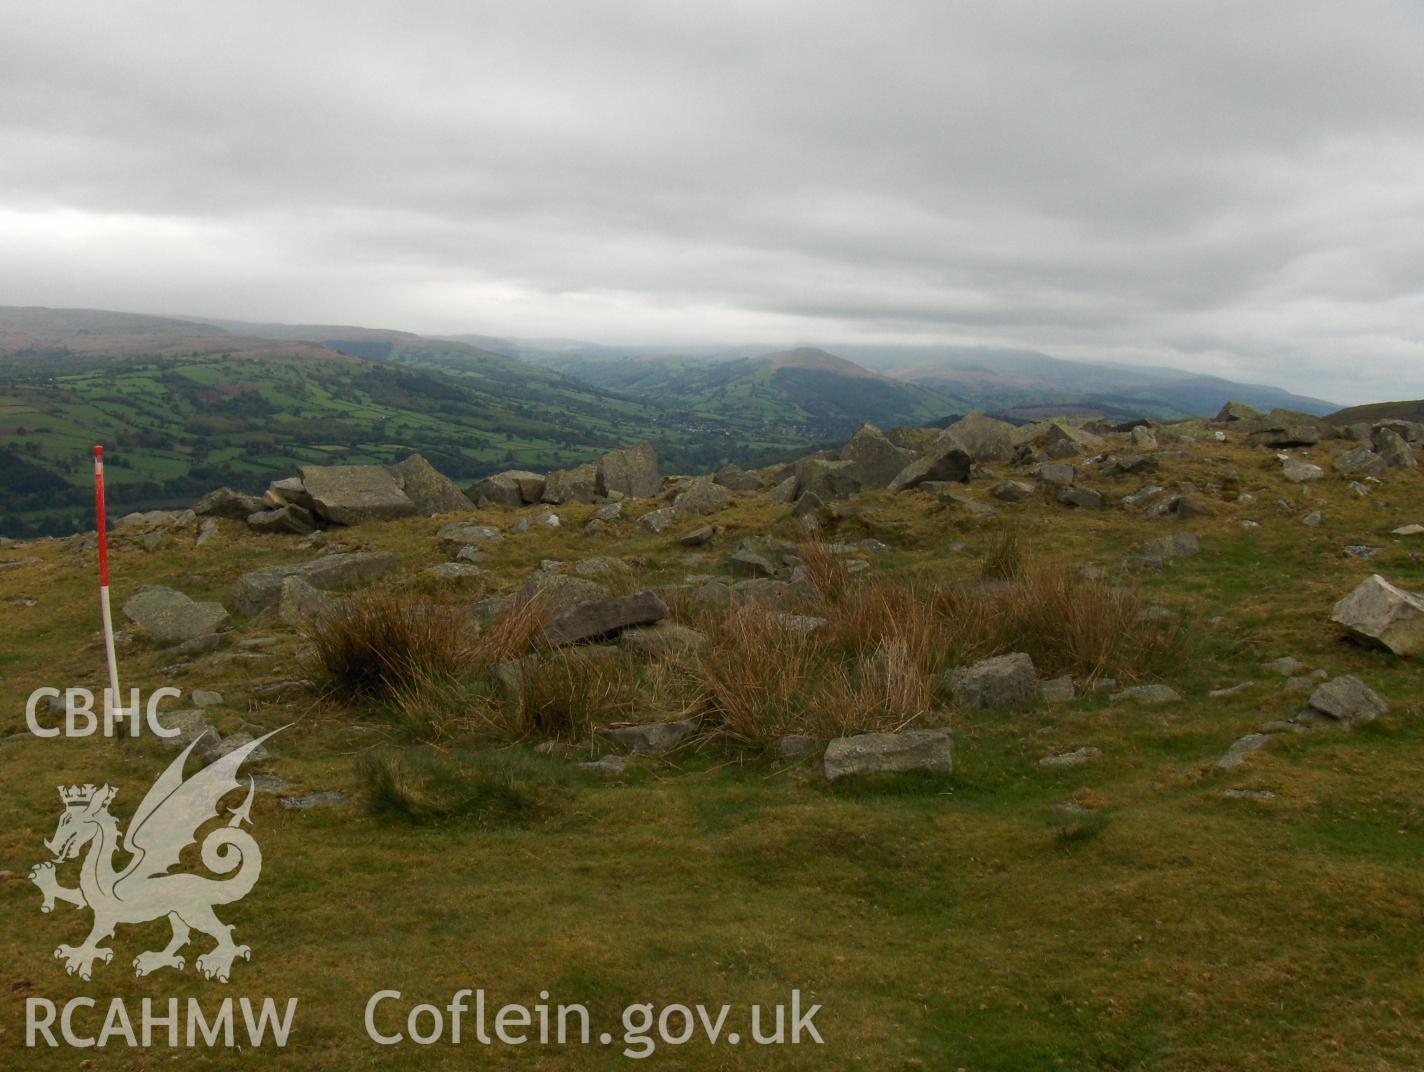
327	798
169	615
652	739
1381	615
1152	694
889	753
1241	748
263	588
604	617
351	494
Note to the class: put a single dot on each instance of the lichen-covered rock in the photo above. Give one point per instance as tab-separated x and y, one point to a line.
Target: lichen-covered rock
1003	682
1347	700
1379	614
632	473
874	460
985	438
604	617
430	490
578	485
262	588
352	494
169	615
229	504
889	753
945	460
702	496
513	487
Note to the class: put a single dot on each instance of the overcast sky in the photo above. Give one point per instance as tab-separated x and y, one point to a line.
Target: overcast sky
1230	187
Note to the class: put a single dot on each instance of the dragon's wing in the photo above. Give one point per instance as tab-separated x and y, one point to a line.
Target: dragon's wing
168	819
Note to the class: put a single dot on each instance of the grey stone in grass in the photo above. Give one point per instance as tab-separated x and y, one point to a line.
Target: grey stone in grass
1057	690
205	698
1347	700
795	746
1005	681
1152	694
1078	758
607	766
1381	615
326	798
890	753
651	739
1241	748
169	615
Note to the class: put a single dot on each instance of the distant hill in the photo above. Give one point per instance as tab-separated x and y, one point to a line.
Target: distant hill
1380	411
807	393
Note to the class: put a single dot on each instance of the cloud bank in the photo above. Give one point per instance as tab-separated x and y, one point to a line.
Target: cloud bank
1235	189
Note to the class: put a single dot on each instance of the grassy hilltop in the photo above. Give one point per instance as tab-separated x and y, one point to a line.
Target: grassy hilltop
1146	910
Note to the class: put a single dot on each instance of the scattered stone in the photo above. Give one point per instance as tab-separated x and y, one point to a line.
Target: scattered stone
289	519
972	507
1152	694
652	739
1011	491
263	588
1363	551
513	487
658	521
1079	758
191	725
608	766
1239	411
559	590
1143	438
206	698
872	460
169	615
1178	545
1249	794
632	473
1005	681
888	753
352	494
470	553
945	460
1393	450
455	571
431	491
1359	462
603	617
1379	614
702	496
1241	748
466	534
831	479
234	741
985	438
747	563
1347	699
807	505
795	746
1058	690
1056	474
1083	498
609	512
229	504
327	798
697	537
1409	530
1234	690
1299	472
735	478
577	485
665	638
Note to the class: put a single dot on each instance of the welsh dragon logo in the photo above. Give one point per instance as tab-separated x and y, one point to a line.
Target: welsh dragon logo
166	822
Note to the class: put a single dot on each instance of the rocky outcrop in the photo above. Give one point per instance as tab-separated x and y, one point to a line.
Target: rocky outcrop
577	485
1239	411
831	479
702	496
945	460
352	494
984	438
874	460
889	753
229	504
1381	615
431	491
513	487
292	519
632	473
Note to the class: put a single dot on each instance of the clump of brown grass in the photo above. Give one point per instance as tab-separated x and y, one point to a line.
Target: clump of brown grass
564	696
827	574
1005	560
383	641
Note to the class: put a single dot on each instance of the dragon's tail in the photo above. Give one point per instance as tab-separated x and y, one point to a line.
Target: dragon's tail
227	849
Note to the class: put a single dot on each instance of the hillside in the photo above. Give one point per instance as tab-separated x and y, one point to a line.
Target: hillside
1070	762
183	406
807	393
1380	411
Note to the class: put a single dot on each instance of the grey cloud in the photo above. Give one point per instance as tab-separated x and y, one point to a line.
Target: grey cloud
1234	188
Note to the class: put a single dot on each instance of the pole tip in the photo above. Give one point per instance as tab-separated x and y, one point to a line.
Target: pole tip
98	451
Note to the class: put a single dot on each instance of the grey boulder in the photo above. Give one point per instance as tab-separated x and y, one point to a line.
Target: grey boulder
889	753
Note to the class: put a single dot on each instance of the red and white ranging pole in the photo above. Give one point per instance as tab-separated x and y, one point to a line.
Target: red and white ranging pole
115	704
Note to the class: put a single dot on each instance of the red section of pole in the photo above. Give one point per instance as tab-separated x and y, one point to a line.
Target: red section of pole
99	510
